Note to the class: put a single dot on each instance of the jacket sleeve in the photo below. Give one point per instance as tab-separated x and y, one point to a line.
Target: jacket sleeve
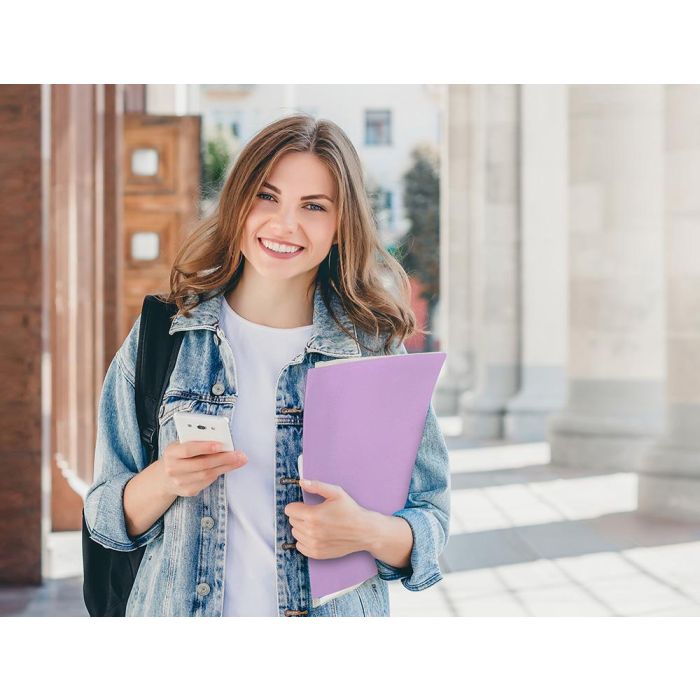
427	509
119	454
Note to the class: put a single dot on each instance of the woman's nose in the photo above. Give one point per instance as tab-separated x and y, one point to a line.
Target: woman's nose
286	220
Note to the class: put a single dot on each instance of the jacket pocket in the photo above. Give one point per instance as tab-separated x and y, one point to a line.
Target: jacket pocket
373	597
171	405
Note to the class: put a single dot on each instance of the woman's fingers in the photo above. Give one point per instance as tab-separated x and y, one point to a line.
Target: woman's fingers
190	467
229	459
192	448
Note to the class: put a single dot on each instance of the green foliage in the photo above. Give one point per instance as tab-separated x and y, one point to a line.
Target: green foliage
218	150
420	246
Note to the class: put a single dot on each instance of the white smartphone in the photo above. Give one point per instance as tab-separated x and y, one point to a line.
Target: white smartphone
200	426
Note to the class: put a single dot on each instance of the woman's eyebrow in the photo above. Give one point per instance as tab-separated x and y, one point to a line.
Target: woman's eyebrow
308	196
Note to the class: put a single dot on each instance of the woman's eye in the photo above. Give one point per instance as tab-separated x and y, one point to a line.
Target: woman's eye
272	199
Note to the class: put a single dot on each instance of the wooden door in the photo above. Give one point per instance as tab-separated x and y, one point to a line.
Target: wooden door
161	169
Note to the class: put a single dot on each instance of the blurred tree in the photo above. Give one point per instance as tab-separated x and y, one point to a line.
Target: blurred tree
218	150
375	194
419	249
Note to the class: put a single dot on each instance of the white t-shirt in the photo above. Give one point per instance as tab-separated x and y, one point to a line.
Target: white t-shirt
260	353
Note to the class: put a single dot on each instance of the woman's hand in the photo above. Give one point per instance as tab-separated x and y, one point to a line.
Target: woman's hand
189	467
336	527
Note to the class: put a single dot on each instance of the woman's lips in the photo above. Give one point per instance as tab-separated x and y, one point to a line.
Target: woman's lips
275	254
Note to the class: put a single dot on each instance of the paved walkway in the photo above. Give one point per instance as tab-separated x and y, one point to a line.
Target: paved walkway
526	539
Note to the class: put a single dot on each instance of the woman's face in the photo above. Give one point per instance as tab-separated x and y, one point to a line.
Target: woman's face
295	208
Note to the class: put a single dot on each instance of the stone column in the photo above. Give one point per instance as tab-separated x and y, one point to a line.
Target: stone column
669	484
494	271
544	291
460	193
616	353
25	459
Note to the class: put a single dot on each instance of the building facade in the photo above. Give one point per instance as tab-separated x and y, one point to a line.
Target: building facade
569	250
571	277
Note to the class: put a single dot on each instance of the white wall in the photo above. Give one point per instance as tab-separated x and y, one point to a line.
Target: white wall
414	110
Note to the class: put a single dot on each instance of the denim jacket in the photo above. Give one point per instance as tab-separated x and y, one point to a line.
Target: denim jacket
183	567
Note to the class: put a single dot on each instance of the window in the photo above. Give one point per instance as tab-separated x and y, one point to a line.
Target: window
382	203
387	207
230	120
144	162
145	245
377	127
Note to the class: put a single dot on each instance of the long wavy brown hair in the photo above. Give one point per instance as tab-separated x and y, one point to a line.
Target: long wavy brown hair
371	285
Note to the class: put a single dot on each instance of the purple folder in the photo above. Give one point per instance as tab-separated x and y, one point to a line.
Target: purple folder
363	425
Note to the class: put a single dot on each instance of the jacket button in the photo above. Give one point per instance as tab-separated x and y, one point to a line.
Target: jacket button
218	389
203	589
207	522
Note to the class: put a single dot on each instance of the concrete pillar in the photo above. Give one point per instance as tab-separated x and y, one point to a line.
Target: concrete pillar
495	284
25	448
461	192
616	350
544	291
669	484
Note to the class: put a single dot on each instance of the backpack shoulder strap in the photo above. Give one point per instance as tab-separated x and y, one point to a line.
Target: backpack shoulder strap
155	360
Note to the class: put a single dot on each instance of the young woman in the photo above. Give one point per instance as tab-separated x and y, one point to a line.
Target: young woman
287	272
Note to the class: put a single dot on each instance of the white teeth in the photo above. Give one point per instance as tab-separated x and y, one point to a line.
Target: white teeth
278	248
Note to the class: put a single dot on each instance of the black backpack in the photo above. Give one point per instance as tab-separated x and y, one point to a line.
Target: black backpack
108	575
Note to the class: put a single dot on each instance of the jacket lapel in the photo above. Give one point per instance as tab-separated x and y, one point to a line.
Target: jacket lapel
327	338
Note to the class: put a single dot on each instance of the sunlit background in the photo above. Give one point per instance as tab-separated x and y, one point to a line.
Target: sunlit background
552	237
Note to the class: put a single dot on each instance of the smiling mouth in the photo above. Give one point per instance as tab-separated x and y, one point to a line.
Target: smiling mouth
279	253
286	245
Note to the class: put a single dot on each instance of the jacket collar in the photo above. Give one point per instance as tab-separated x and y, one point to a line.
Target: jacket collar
327	338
